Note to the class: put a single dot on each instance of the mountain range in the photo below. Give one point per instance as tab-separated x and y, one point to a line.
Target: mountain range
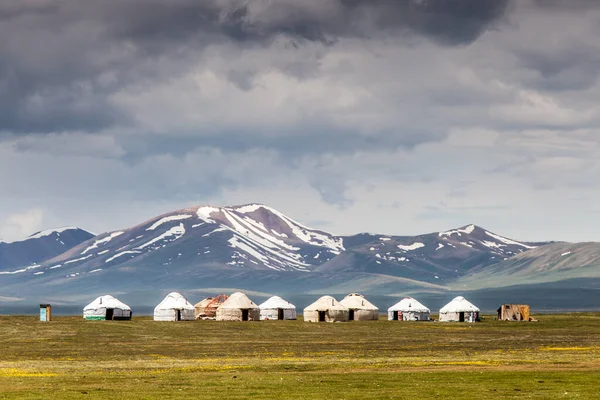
256	248
40	247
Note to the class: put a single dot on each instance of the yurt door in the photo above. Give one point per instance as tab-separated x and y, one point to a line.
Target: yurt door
351	315
110	313
244	315
395	316
461	317
280	313
178	315
321	316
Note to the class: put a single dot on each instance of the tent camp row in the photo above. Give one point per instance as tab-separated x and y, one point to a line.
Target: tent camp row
355	307
239	307
175	307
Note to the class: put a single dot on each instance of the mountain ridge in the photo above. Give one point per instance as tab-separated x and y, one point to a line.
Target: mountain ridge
40	246
256	247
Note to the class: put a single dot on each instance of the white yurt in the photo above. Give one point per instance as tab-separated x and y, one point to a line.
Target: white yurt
408	309
278	309
107	308
360	309
459	310
326	309
174	307
238	307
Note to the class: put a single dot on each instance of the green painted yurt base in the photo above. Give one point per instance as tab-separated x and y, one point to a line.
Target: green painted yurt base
95	318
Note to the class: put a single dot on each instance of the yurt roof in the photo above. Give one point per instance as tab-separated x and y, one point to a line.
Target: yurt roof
276	302
174	301
217	301
107	301
238	300
204	302
459	304
408	304
357	301
325	303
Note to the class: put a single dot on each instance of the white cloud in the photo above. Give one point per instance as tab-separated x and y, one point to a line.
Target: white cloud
384	133
21	224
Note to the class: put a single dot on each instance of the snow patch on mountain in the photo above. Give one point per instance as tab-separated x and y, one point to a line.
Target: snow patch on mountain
238	243
250	208
122	254
509	241
466	230
205	212
168	219
49	232
104	240
220	229
176	232
302	232
414	246
274	258
20	270
44	233
492	245
256	235
78	259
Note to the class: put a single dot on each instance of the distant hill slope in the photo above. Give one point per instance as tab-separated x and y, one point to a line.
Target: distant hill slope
255	247
40	247
550	263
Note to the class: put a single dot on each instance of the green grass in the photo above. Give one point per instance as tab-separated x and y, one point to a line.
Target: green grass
557	357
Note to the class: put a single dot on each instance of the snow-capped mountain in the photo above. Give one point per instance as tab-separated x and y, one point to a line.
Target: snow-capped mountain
40	247
252	236
434	257
255	237
255	247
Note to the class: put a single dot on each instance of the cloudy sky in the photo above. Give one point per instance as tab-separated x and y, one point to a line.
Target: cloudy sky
388	116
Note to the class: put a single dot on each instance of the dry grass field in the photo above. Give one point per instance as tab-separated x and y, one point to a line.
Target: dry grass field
68	358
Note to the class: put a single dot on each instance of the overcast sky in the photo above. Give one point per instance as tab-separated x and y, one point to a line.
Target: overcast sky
387	116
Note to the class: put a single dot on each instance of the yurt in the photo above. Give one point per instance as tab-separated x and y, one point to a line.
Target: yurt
207	308
174	307
459	310
359	308
408	309
278	309
200	307
238	307
107	308
326	309
211	308
514	312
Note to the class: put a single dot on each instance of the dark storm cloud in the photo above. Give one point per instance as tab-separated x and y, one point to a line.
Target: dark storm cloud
447	21
305	141
60	60
574	66
569	4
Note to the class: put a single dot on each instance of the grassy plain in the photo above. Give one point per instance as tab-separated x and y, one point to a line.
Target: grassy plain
68	358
